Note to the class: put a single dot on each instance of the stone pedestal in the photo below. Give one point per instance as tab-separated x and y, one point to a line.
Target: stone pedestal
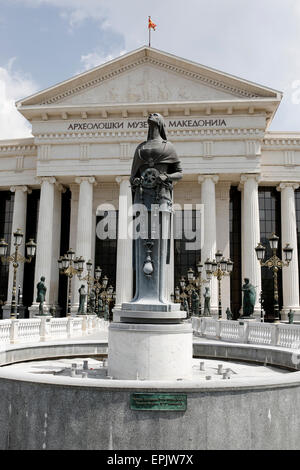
149	351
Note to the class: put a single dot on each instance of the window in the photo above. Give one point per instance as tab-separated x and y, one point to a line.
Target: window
6	217
183	257
270	221
106	252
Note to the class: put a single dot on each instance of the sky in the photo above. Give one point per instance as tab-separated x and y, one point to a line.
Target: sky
43	42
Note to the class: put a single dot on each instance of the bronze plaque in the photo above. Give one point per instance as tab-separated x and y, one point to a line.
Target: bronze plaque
158	401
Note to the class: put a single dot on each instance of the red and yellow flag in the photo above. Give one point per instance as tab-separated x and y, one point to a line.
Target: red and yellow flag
151	25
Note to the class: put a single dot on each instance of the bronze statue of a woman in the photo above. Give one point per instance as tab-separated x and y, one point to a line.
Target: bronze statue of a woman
155	167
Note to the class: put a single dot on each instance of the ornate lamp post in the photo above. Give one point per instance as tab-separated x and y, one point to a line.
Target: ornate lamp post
275	264
199	283
16	258
107	295
219	268
70	266
90	280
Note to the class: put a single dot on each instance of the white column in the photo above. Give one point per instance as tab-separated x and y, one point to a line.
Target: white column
74	188
19	221
251	234
44	250
124	276
84	226
290	274
208	199
223	242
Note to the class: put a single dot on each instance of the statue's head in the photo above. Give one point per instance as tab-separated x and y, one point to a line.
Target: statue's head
158	120
246	280
42	279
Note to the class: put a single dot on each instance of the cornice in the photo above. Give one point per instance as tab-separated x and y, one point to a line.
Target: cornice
279	143
116	135
15	149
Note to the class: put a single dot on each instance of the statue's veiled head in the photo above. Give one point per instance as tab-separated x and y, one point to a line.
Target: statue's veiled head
157	119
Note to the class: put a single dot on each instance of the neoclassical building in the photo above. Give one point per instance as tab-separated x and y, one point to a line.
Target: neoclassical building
56	184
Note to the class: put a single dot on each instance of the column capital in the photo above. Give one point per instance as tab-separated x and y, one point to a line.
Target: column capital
48	179
89	179
247	176
24	189
120	179
60	187
285	185
214	178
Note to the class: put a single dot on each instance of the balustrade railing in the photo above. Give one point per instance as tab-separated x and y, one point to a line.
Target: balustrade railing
251	332
43	329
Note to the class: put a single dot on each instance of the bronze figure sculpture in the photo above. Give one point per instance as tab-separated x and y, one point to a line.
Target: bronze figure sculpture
41	294
249	298
155	167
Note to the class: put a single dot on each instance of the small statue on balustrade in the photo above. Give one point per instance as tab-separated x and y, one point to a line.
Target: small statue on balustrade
82	297
249	298
185	307
229	314
106	311
92	302
195	303
291	316
41	294
206	296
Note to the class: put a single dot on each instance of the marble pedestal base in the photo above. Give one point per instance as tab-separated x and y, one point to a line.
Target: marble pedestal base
149	351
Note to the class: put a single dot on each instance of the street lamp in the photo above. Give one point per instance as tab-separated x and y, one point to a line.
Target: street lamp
194	284
16	258
275	264
70	266
219	268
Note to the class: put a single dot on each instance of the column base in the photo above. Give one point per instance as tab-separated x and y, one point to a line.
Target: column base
150	352
6	311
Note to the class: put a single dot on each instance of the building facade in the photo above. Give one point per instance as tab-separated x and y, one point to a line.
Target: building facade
58	185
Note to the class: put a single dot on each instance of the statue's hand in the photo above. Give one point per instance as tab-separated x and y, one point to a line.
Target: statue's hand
162	177
136	181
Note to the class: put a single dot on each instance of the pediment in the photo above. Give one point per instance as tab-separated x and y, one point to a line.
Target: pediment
145	76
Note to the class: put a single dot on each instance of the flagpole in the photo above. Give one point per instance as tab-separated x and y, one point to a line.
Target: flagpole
149	32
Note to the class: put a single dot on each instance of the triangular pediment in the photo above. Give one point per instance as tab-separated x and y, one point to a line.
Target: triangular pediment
146	76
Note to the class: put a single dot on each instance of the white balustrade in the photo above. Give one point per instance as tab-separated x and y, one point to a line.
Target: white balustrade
239	331
211	327
288	336
77	327
58	327
229	330
5	327
43	329
29	330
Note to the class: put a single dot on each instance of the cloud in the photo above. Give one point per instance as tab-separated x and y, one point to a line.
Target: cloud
13	85
93	59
